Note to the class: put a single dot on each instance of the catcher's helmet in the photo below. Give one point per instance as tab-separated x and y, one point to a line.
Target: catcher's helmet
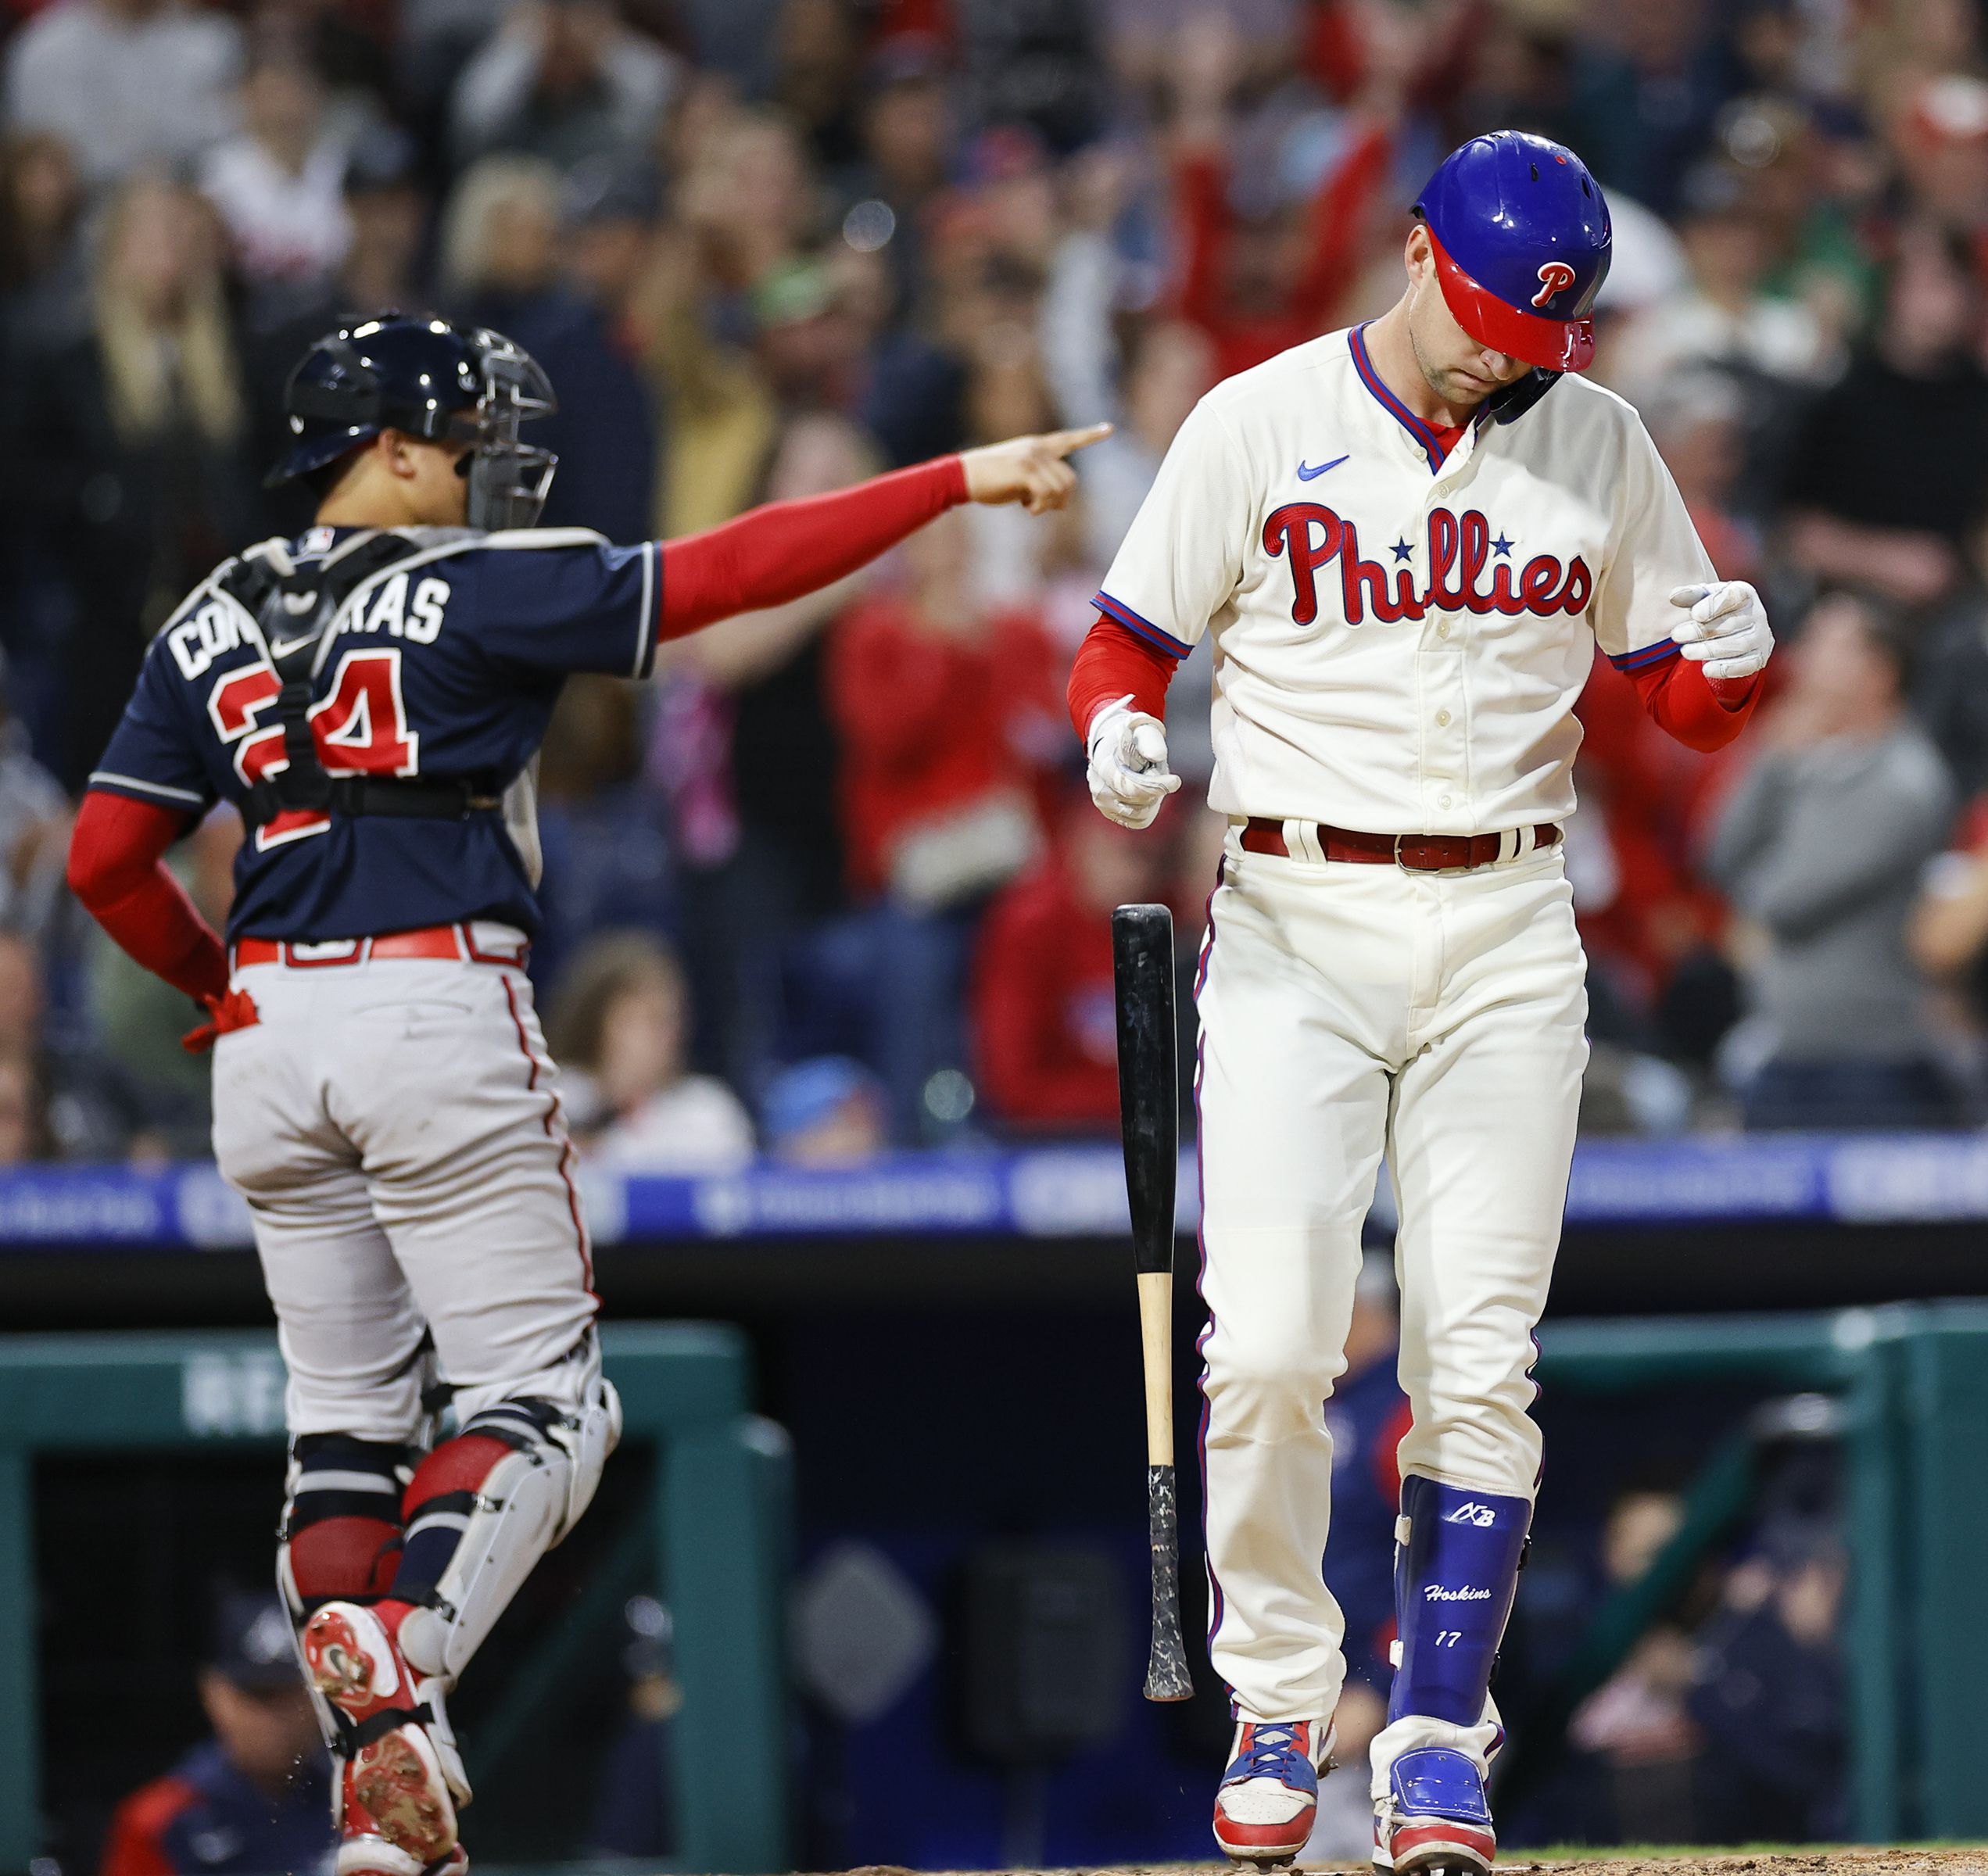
436	380
1521	238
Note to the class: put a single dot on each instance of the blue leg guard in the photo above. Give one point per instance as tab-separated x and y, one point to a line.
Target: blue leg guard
1455	1572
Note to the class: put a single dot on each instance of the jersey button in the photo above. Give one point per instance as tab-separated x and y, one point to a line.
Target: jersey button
1442	800
1442	629
1442	719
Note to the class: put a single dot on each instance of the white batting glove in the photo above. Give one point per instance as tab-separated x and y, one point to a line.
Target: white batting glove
1128	775
1726	630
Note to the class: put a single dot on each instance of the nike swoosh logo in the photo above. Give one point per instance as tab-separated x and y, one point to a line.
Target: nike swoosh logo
288	647
1306	475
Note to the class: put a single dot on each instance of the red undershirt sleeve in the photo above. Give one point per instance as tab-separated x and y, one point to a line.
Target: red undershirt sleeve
1703	713
117	868
1113	662
1202	210
786	549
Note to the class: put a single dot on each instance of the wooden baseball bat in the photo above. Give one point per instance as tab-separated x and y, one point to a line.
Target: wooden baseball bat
1149	1111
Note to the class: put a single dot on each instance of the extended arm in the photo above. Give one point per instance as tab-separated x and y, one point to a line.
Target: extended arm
771	555
1203	211
738	652
1949	924
1913	565
1337	221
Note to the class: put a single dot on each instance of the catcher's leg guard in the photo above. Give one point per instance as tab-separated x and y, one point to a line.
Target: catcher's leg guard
339	1539
340	1534
481	1511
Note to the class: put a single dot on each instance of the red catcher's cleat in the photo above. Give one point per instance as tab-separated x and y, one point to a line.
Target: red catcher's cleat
362	1852
395	1792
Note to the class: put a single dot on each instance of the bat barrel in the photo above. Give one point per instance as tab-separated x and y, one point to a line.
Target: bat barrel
1149	1107
1148	1076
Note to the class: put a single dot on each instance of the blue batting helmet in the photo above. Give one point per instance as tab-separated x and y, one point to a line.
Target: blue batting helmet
1521	238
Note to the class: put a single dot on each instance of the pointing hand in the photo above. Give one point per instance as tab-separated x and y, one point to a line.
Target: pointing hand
1030	470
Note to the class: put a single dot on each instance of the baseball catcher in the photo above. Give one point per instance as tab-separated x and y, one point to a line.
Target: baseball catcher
371	697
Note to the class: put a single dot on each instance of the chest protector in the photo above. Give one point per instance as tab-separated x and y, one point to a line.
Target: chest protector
295	608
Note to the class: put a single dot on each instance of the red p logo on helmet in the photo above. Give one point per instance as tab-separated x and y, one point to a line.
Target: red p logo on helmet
1555	277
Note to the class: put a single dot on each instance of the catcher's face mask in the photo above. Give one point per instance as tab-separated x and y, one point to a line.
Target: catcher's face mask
508	480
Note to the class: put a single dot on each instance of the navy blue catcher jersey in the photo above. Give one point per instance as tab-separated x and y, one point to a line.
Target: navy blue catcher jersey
446	665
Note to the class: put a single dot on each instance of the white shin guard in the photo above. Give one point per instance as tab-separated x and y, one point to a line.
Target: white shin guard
528	1500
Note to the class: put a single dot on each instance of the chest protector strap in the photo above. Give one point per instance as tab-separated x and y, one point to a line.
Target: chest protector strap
294	607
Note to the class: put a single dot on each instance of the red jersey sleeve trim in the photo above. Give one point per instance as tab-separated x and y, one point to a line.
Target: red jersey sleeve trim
786	549
1113	662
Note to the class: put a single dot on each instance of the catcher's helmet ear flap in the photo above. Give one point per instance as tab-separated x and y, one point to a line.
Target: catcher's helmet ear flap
1521	238
435	380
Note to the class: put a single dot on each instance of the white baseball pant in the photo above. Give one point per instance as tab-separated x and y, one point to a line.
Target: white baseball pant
395	1125
1348	1009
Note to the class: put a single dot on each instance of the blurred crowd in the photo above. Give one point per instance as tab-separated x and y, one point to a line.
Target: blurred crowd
830	886
1731	1712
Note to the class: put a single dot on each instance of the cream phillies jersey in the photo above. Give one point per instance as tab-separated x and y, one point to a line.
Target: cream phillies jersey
1399	639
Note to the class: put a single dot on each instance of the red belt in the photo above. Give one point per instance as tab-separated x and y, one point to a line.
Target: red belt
457	942
1418	852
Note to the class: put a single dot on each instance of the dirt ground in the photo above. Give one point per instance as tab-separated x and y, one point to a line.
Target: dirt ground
1767	1862
1972	1862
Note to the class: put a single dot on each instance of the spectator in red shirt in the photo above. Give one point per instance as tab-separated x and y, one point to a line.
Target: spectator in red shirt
942	709
1044	1027
1259	284
945	711
1642	907
1644	913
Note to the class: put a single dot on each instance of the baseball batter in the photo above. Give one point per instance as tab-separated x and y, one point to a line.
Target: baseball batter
1406	551
371	697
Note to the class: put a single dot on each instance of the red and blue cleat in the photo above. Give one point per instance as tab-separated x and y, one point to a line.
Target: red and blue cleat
1268	1797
